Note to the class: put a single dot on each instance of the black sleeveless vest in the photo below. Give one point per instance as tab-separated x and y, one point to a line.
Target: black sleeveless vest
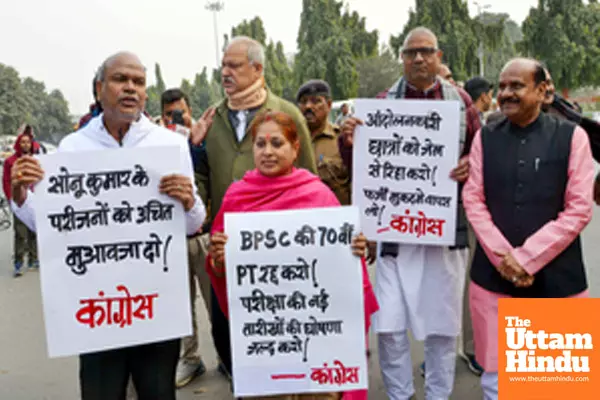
525	177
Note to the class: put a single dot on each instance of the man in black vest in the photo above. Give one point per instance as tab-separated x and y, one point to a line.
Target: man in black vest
528	197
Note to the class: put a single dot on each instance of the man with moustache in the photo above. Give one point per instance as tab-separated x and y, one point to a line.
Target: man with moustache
121	88
314	101
227	153
528	198
420	287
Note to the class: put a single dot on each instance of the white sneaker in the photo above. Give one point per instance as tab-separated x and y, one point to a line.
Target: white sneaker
186	372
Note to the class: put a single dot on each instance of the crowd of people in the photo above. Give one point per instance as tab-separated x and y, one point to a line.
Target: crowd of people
525	178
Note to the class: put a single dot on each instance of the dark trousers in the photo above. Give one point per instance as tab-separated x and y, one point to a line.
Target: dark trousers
220	332
25	243
104	375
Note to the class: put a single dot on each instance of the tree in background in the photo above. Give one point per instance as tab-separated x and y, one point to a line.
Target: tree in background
200	95
203	92
363	44
564	34
54	122
377	73
154	92
26	101
254	29
216	90
506	49
15	107
330	45
160	82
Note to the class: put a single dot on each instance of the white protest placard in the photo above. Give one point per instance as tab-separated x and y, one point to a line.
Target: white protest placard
403	156
112	250
295	302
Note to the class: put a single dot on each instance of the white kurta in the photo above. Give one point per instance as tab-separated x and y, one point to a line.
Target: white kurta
420	290
142	133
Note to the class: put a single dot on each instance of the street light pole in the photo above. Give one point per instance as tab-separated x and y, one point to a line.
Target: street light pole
215	7
480	52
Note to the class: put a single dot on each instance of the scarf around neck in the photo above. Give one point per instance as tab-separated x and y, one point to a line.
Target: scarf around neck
253	96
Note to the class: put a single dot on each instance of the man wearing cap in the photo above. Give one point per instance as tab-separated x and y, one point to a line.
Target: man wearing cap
481	92
314	101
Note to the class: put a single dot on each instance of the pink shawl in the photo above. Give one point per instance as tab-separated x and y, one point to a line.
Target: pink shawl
300	189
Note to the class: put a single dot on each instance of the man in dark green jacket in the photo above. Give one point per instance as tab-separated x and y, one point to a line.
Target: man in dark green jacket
226	154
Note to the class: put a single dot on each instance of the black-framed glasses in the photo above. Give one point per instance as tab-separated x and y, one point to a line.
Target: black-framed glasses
424	51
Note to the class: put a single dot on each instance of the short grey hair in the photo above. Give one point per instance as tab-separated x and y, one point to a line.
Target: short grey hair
101	73
256	51
420	30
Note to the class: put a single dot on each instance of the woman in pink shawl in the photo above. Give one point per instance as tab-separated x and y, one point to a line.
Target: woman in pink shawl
276	185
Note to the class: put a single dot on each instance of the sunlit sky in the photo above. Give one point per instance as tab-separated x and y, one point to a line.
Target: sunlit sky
62	42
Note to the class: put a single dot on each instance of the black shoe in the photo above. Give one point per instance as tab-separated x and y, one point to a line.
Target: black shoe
473	364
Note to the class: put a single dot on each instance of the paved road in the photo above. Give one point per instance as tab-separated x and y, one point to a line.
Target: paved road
26	373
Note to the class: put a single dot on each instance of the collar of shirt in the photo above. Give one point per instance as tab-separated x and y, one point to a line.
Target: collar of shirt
433	92
234	119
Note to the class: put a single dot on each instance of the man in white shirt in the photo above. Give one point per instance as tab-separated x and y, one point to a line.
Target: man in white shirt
121	86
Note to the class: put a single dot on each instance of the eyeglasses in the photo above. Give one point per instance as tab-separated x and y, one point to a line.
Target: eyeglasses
424	51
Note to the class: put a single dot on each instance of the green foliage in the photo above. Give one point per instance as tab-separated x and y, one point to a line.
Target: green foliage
253	28
160	82
202	92
362	43
153	101
330	45
565	35
26	101
506	48
378	73
154	92
200	95
16	107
